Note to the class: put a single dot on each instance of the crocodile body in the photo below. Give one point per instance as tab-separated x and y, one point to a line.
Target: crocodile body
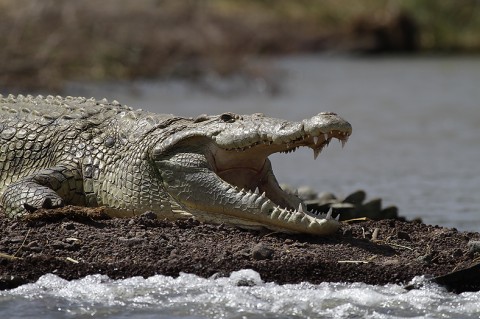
56	151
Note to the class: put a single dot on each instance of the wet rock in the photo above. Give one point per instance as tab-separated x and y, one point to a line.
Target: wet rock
306	193
474	246
372	209
344	209
245	277
10	282
261	252
390	212
352	206
355	198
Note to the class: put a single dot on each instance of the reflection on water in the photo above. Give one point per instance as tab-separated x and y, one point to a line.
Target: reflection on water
416	127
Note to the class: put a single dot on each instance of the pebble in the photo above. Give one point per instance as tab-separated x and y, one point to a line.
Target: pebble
149	215
69	226
474	246
403	235
261	252
356	198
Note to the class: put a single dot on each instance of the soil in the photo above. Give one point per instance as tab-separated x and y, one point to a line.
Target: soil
73	242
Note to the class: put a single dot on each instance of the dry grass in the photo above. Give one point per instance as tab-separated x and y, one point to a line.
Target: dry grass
45	42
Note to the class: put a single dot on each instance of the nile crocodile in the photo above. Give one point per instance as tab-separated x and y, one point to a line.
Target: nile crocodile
57	151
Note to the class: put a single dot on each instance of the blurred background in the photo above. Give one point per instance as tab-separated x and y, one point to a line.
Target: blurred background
405	73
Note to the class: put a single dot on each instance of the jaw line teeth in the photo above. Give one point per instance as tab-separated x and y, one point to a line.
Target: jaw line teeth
315	140
300	208
329	214
316	152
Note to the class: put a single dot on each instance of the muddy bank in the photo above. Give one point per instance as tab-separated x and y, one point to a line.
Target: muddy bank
74	242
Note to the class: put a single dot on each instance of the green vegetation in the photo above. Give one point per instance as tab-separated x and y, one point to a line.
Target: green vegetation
45	42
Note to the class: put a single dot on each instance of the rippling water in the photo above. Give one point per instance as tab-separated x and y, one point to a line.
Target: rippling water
189	296
415	144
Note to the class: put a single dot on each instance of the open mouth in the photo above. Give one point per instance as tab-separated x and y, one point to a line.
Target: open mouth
248	168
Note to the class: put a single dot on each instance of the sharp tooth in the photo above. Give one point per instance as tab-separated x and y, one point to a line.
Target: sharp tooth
276	213
296	216
325	136
329	214
300	208
315	140
263	195
316	152
337	218
344	141
257	191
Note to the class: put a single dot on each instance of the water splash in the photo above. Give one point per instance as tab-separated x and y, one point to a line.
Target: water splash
242	295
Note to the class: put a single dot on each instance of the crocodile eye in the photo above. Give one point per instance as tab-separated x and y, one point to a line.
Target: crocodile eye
228	117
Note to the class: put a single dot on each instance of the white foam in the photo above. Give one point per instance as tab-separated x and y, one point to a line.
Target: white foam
195	297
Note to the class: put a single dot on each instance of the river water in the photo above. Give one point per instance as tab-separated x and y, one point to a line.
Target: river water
415	144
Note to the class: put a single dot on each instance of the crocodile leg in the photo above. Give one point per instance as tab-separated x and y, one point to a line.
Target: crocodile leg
46	188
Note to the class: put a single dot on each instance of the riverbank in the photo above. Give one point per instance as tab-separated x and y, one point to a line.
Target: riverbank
48	43
73	242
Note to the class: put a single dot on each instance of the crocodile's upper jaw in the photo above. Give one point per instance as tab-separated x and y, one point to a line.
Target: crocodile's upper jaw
247	168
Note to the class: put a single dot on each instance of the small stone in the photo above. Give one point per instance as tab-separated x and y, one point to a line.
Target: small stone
17	239
245	278
262	252
149	215
403	235
69	226
35	249
57	244
33	243
427	258
457	253
474	246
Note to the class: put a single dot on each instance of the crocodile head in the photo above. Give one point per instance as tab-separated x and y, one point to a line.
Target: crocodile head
218	169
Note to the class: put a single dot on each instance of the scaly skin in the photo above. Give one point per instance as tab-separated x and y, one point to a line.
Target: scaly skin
56	151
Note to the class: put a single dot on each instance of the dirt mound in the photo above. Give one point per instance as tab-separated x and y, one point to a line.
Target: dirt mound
73	242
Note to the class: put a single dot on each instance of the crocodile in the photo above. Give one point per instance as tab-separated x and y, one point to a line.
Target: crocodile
57	151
